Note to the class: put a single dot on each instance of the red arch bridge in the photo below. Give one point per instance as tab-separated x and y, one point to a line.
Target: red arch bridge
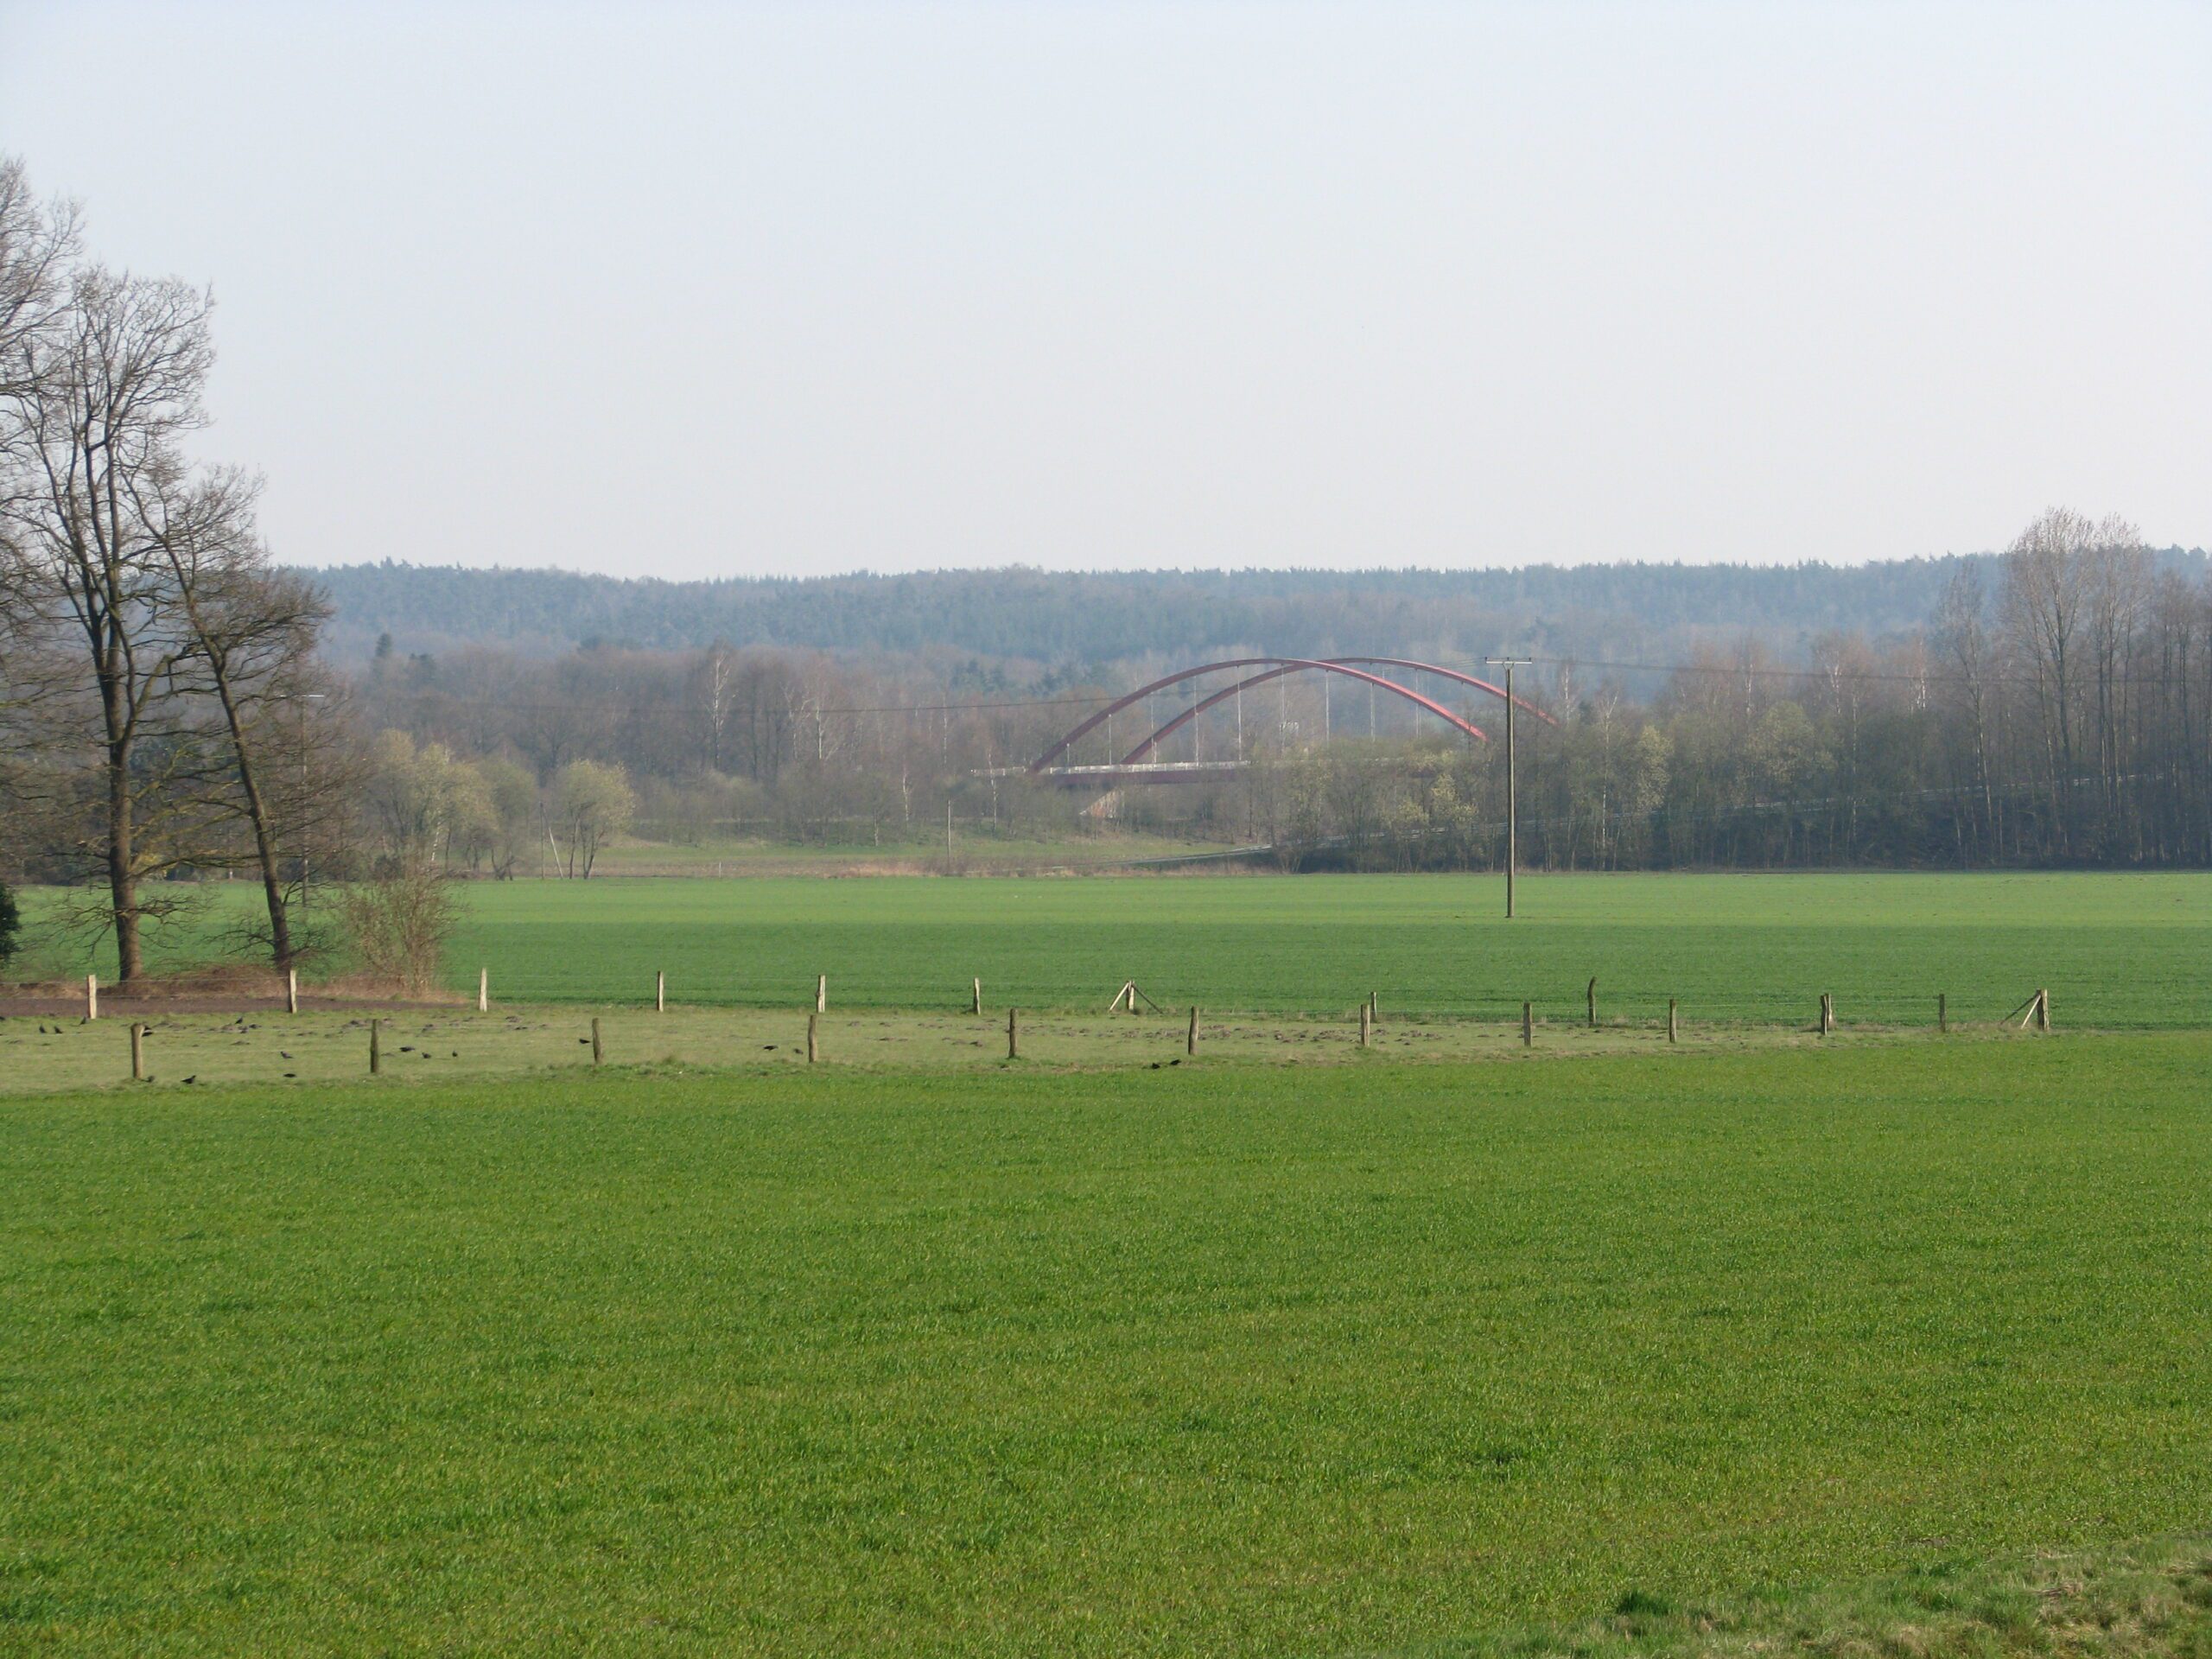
1142	764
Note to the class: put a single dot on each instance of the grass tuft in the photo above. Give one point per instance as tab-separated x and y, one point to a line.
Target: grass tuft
2136	1601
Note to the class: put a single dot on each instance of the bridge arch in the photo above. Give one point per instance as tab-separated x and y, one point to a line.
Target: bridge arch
1185	716
1276	667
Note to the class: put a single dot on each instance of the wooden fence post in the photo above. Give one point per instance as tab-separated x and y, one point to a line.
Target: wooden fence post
1670	1020
1013	1033
813	1038
1592	994
822	994
1191	1040
598	1052
375	1047
291	990
1366	1023
92	996
1828	1012
976	1006
483	990
1943	1013
2042	1010
1374	1008
1528	1027
137	1053
660	990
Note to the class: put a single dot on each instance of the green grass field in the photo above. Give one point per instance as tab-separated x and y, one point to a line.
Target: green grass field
972	853
543	1040
1214	1360
2116	950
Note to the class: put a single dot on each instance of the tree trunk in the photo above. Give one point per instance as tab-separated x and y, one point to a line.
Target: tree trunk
122	879
122	874
265	844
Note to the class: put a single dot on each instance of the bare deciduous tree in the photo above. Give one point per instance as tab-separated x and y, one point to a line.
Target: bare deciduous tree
250	632
111	383
2043	602
37	242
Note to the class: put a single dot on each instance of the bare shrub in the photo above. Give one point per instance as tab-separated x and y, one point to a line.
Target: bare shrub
399	921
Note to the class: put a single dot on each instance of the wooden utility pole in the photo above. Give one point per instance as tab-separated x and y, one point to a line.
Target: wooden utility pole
1512	783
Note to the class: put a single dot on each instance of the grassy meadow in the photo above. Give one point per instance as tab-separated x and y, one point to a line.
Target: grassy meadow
972	854
2117	951
1203	1360
435	1044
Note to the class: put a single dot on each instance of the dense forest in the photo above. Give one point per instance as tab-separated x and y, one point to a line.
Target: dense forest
1070	624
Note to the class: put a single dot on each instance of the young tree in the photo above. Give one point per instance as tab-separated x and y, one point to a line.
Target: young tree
399	921
590	804
420	801
512	793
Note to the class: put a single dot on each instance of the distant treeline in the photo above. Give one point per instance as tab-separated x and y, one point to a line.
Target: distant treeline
1078	625
2053	705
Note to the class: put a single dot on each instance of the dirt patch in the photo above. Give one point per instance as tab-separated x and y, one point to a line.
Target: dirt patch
230	989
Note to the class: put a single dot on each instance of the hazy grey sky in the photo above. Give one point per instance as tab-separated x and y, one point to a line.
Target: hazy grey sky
737	289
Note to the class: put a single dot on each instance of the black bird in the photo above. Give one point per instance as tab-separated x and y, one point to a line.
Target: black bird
282	1055
195	1077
